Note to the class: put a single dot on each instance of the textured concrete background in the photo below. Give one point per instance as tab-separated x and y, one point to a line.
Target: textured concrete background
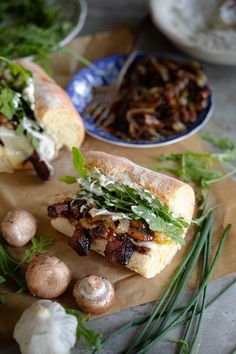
218	332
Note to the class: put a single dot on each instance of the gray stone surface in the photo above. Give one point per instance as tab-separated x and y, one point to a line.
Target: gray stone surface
218	332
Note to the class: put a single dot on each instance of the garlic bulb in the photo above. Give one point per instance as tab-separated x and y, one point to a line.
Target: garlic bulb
45	328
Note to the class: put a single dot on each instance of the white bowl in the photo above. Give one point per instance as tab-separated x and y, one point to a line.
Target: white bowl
73	10
178	30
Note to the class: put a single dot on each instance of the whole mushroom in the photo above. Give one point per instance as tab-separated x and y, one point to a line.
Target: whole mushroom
47	277
18	227
94	294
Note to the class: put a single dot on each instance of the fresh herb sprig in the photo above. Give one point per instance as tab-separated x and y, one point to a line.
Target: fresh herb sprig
10	267
223	143
38	246
196	167
118	197
2	294
92	338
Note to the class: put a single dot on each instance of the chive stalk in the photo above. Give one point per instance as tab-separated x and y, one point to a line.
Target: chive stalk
141	320
195	252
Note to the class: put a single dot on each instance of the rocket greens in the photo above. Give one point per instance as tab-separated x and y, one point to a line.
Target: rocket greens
34	28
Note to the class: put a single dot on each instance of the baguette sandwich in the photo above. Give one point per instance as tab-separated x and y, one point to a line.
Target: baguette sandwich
127	213
37	118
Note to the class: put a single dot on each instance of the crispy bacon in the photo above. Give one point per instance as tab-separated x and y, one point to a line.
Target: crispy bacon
80	241
40	166
75	206
119	251
59	209
99	231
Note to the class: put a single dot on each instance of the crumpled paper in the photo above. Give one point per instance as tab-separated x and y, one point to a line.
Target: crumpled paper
23	190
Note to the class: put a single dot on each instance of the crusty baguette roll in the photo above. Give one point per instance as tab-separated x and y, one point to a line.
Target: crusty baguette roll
54	109
179	196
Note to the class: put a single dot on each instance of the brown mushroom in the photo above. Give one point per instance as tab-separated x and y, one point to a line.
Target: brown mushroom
18	227
94	294
47	277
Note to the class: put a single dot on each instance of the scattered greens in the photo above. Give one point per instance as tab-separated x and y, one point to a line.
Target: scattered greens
91	337
2	295
196	167
106	193
39	246
34	28
79	163
221	143
10	267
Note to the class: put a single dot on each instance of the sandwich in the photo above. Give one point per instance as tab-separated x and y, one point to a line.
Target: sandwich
129	214
37	118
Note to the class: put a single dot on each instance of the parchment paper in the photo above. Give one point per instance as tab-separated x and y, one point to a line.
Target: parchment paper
22	189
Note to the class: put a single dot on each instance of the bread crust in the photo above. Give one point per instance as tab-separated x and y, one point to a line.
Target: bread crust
178	195
49	98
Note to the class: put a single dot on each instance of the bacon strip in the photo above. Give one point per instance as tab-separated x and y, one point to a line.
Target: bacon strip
40	166
80	241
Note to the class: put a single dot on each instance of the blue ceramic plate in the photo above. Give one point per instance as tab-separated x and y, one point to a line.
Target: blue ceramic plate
104	73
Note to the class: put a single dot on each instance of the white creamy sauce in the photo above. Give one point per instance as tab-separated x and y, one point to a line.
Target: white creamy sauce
114	216
16	100
28	93
200	23
46	149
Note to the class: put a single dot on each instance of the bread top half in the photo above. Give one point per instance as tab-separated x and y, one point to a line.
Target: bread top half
179	196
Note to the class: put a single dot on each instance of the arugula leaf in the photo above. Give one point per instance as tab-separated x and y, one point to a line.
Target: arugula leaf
9	267
39	246
78	162
35	28
68	179
222	143
2	295
197	166
157	224
7	107
92	338
2	279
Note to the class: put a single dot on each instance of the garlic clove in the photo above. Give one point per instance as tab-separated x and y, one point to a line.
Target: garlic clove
45	328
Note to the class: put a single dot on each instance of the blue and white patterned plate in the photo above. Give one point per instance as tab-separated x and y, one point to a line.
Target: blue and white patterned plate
104	73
